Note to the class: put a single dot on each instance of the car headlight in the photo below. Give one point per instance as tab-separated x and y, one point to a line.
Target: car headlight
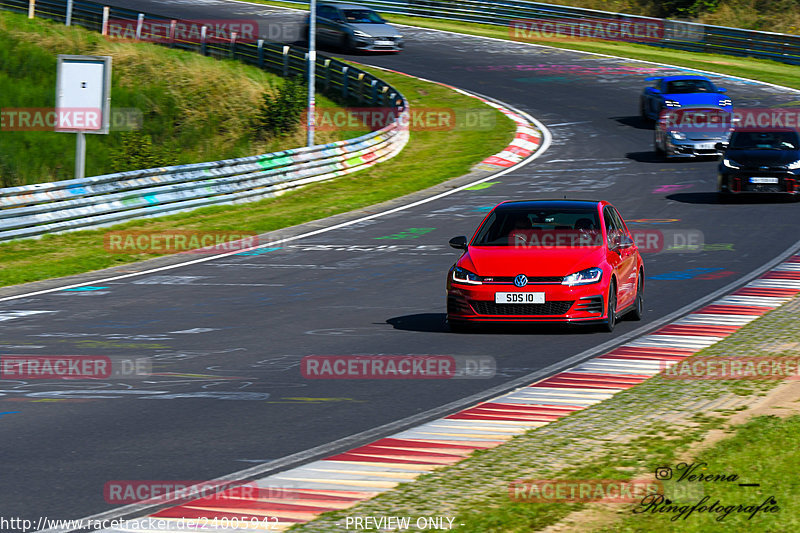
462	275
793	166
677	135
359	33
725	102
730	163
672	103
584	277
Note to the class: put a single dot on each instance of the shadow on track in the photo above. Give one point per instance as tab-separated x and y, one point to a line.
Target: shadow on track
714	198
436	323
634	121
654	157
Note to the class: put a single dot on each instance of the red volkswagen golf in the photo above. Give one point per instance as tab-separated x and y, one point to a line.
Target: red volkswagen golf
547	261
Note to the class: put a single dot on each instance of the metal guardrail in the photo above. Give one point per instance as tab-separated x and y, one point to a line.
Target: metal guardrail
678	35
34	210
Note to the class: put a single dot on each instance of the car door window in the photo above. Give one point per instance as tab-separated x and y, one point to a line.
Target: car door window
327	12
613	229
618	221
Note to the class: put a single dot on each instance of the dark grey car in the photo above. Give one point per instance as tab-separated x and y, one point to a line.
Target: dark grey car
354	27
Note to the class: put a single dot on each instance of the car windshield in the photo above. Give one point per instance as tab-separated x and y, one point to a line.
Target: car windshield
541	227
362	16
689	86
769	140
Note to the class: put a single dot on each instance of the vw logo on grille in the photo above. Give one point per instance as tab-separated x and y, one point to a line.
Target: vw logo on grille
521	280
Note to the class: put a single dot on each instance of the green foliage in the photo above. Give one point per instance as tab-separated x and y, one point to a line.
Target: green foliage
281	110
682	9
8	177
193	108
137	152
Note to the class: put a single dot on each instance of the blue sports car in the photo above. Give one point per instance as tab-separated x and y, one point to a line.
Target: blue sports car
670	92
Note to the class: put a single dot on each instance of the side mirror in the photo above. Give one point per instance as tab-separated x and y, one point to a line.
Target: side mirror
459	243
654	90
722	90
721	146
624	242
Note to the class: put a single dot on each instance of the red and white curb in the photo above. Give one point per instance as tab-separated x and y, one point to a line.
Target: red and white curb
526	141
527	138
342	481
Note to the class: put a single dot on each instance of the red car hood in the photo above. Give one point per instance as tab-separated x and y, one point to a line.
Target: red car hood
535	261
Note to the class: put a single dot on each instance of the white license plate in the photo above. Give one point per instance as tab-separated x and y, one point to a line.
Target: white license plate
763	180
519	297
384	43
705	146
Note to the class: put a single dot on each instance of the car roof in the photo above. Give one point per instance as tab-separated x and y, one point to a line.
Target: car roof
562	203
685	77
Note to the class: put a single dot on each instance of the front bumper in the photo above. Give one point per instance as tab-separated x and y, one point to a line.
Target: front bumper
691	148
476	303
757	181
377	44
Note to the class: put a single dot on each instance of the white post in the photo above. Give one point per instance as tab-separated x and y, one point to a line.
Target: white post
104	29
68	22
80	156
139	24
312	64
233	44
31	8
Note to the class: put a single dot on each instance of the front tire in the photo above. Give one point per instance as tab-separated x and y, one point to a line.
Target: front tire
643	112
612	308
638	303
660	152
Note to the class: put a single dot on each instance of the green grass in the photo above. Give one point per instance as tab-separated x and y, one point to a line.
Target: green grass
758	69
762	451
194	108
429	158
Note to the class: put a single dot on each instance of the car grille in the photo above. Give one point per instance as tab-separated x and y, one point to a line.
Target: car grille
532	280
547	308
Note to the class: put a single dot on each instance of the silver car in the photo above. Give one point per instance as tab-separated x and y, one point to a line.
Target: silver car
354	27
692	131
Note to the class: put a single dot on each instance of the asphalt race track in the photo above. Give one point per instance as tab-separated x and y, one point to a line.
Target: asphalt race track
226	336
